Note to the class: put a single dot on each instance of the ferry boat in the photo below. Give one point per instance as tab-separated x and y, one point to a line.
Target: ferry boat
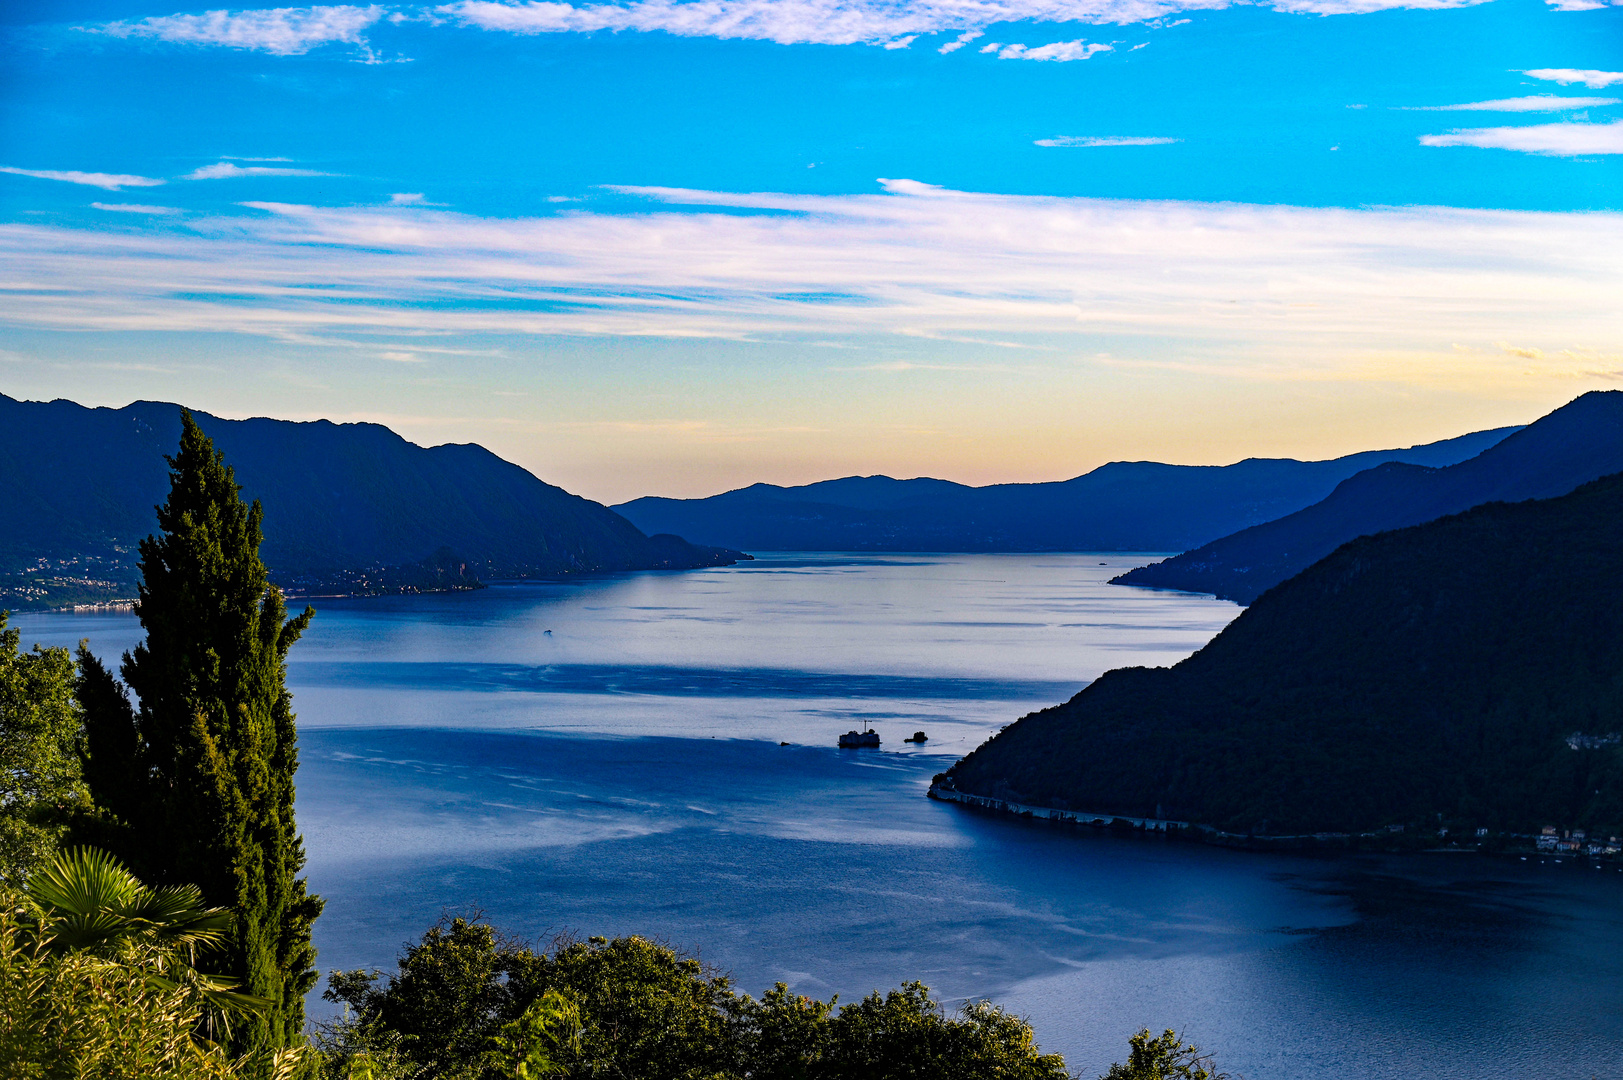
855	740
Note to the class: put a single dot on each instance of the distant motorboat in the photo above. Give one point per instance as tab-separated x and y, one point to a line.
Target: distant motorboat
918	737
855	740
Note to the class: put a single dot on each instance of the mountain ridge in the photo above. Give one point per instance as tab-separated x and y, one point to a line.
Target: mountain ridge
343	501
1567	447
1120	506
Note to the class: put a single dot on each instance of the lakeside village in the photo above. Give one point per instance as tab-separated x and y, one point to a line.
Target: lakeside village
1552	840
1574	842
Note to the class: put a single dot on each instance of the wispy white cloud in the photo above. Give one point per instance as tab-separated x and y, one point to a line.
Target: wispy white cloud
105	181
293	31
1595	80
1550	140
227	170
1535	103
828	22
135	208
849	22
1058	51
285	31
1579	5
1366	7
1291	289
1106	140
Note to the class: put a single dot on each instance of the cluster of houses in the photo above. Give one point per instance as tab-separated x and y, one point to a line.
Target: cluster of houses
1579	741
1577	842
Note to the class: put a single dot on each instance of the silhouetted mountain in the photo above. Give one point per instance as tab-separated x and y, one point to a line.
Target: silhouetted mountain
1429	675
1572	445
351	507
1122	506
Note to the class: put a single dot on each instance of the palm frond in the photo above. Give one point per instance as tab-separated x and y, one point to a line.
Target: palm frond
87	900
81	881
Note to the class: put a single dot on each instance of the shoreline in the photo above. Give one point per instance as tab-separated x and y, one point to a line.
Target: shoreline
1383	841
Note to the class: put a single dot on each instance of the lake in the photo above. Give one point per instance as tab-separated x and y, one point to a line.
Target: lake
605	757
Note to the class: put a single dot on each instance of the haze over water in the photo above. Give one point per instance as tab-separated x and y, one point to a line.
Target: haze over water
624	774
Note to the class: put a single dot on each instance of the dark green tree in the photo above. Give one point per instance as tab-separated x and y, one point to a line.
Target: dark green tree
1164	1057
470	1004
41	793
201	768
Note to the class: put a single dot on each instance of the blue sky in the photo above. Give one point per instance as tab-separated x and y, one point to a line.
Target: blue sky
672	247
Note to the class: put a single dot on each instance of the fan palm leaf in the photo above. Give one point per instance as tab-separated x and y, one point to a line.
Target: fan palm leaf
87	902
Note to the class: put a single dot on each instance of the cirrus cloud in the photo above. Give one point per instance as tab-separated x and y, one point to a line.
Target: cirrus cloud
1290	288
1595	80
227	170
1059	51
278	31
1106	140
1535	103
1549	140
294	31
105	181
850	22
135	208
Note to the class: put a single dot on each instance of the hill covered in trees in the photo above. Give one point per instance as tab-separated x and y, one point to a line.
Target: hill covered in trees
1574	444
1122	506
348	507
1436	674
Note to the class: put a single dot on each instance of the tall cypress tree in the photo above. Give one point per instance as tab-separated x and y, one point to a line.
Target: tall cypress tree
201	769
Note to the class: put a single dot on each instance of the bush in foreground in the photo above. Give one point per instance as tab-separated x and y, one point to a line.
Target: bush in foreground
468	1003
97	979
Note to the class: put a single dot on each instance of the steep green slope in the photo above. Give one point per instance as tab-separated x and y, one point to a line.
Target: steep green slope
1122	506
347	505
1434	670
1572	445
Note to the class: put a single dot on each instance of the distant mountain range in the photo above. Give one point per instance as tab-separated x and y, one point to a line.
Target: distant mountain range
1576	443
348	507
1122	506
1464	673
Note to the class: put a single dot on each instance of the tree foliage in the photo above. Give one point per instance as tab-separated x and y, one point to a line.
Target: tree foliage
201	768
96	981
1164	1057
900	1035
467	1003
84	901
41	789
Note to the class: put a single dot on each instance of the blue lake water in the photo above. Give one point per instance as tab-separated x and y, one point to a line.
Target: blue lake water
604	757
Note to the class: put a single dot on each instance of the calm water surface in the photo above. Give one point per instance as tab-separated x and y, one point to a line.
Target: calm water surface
604	757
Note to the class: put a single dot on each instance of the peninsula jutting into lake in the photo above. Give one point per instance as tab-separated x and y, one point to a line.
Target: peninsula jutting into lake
1427	679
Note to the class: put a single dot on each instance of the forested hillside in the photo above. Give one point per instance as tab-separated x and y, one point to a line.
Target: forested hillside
1577	443
349	507
1429	675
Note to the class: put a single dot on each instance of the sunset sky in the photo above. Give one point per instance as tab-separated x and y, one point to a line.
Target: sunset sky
677	246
